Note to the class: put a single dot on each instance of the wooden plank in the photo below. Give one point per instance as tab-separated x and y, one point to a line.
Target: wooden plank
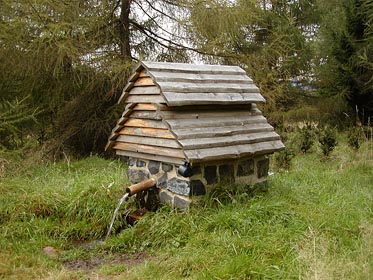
109	145
151	132
159	142
122	120
145	107
117	128
199	114
145	149
202	108
208	87
145	81
210	142
145	90
145	99
123	97
151	115
194	68
233	152
144	73
215	122
201	78
182	99
144	123
203	132
166	159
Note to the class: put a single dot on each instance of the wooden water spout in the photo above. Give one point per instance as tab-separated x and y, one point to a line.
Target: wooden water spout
142	186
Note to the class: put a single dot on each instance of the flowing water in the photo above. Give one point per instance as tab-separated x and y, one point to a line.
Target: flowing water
124	197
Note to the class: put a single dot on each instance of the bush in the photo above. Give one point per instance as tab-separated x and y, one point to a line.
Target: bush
283	159
354	138
306	137
327	140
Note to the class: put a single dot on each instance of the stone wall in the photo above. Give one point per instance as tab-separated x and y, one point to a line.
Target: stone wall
180	191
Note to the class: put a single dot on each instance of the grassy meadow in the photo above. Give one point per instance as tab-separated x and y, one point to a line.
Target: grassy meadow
314	222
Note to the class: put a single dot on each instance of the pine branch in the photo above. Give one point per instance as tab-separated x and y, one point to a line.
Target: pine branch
155	37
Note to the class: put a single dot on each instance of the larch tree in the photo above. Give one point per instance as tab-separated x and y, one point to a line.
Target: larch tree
72	58
272	40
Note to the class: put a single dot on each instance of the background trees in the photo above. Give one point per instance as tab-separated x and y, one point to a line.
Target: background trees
347	53
69	60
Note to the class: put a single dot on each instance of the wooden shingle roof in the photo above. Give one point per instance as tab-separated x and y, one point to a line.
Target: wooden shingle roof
189	84
182	112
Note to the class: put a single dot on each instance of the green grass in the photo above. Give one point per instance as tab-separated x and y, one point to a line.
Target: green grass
315	222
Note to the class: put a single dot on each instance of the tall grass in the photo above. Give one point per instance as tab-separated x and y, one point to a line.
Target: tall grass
315	222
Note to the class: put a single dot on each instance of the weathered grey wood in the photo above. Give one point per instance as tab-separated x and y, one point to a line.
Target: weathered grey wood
208	87
177	161
207	107
214	122
145	107
117	128
200	78
123	97
128	110
145	123
146	149
181	99
205	132
109	145
150	132
122	120
202	143
144	73
153	115
179	67
199	114
210	110
144	81
134	76
232	152
159	142
145	99
145	90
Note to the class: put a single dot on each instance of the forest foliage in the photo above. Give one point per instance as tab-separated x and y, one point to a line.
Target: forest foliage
64	63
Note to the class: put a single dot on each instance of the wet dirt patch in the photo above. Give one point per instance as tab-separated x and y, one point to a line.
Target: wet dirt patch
127	260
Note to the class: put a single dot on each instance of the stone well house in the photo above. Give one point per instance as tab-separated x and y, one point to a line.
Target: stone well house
190	126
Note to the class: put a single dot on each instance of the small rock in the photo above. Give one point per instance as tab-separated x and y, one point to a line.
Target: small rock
51	252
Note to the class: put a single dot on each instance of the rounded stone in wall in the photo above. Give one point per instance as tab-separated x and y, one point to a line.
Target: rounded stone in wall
178	186
197	188
211	175
263	166
137	175
153	166
166	167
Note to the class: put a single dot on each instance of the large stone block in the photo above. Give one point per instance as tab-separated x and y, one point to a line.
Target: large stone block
166	167
196	170
245	168
179	186
162	181
131	161
226	173
140	163
197	188
165	198
153	166
210	174
181	203
137	175
262	167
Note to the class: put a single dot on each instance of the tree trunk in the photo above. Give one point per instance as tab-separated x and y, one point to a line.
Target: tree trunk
124	30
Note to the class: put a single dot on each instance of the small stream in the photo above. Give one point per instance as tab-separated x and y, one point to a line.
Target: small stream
124	197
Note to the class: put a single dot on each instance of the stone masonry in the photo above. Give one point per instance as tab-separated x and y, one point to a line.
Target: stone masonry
180	192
